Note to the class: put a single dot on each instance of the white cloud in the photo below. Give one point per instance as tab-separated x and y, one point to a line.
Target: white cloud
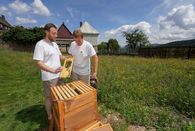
19	6
178	24
172	34
4	10
117	33
168	5
58	15
67	21
182	16
144	26
70	11
20	20
75	14
40	9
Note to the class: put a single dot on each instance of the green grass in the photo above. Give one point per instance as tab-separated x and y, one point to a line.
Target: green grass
149	92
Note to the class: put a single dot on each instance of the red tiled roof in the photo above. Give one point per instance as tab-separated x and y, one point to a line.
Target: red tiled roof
64	32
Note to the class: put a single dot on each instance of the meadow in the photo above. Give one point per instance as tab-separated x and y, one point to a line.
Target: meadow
150	92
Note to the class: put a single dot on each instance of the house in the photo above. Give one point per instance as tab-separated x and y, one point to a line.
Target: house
64	38
90	33
4	25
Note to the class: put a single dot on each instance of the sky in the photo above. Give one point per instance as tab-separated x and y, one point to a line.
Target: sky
162	20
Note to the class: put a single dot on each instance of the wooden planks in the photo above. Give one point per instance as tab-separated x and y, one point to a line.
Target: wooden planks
63	92
91	125
97	126
80	116
105	127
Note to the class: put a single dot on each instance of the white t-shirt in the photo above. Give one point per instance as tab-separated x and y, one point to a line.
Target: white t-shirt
49	53
81	54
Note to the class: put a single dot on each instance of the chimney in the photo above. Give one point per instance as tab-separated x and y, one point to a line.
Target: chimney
3	17
81	23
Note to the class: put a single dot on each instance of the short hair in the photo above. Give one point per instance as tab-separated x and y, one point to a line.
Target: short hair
77	33
48	26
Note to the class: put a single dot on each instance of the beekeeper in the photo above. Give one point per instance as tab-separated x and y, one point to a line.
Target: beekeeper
47	57
82	51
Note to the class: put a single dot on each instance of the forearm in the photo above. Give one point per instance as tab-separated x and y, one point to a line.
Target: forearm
95	64
44	67
62	58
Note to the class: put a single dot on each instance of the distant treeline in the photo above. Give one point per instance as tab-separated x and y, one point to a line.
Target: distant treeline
21	38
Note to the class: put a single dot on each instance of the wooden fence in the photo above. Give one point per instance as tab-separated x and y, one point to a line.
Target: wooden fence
167	52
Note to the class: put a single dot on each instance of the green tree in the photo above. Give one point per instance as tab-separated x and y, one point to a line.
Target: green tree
136	38
113	45
102	47
23	36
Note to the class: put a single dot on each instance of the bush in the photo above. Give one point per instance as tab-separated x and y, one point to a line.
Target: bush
23	36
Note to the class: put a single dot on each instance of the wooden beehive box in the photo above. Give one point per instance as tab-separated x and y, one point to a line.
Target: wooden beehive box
74	106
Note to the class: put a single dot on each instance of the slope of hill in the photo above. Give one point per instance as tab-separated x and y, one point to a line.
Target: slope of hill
183	43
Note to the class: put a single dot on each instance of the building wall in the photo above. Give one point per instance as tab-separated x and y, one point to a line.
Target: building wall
92	38
64	44
3	27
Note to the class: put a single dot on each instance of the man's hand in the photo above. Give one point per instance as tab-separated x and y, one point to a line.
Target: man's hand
59	69
44	67
95	66
94	75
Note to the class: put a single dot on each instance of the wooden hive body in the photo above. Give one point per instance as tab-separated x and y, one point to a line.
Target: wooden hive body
74	106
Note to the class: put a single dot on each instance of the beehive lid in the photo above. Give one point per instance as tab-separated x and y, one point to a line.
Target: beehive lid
70	90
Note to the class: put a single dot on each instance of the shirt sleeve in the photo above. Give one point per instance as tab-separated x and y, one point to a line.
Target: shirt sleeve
91	50
38	52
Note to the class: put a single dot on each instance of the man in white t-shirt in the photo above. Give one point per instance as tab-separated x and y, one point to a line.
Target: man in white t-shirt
47	57
82	51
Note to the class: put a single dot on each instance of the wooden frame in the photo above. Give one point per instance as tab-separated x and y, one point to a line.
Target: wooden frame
68	63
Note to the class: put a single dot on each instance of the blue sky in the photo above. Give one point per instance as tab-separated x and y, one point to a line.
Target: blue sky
162	20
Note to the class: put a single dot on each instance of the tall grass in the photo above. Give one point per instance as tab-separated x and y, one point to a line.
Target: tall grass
153	92
148	92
